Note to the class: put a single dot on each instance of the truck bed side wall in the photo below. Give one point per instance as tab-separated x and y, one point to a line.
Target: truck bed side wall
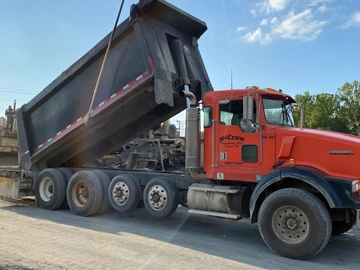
139	89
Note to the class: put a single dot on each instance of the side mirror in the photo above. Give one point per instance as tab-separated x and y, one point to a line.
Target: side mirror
247	126
248	104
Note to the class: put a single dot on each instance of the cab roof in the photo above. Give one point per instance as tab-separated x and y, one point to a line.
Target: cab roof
235	93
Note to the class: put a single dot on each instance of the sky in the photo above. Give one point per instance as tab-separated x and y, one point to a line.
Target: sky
294	45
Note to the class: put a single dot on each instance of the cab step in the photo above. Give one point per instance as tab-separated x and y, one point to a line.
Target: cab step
214	214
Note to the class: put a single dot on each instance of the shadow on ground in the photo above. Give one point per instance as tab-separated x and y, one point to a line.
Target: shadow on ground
235	240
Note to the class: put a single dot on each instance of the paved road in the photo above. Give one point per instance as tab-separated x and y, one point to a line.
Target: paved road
33	238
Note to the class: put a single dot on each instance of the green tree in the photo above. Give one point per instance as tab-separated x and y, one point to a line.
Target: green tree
349	97
325	114
305	102
322	111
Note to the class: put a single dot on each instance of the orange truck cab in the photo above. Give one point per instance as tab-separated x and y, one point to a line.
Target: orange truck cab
300	185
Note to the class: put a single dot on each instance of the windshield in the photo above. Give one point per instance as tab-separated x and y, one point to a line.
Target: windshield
278	112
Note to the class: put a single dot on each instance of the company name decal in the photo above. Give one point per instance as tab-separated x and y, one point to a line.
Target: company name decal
341	152
230	137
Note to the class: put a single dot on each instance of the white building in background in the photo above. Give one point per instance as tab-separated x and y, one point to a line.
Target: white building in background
2	122
180	127
180	121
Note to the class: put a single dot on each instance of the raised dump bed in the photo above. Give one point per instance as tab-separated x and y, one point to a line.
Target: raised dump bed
153	55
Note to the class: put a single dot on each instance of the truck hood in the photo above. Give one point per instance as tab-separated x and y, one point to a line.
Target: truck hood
337	154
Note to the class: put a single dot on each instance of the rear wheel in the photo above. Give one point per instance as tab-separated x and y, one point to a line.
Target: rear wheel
124	193
105	183
67	175
84	193
50	189
294	223
161	197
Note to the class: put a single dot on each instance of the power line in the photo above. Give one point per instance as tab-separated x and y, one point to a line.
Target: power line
11	88
16	90
4	102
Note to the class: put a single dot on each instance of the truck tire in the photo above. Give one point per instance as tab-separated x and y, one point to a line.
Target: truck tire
84	193
340	227
67	173
50	189
105	183
124	193
161	197
294	223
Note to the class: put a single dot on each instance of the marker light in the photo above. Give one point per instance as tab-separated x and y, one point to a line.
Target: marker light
252	87
292	162
271	89
355	186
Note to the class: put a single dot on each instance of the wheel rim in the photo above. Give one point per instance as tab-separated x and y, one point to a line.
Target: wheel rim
121	193
80	194
157	197
46	189
290	224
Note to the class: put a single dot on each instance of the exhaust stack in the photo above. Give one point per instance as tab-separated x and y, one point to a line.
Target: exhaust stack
192	160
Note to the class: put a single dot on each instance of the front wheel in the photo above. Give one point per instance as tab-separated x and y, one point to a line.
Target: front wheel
294	223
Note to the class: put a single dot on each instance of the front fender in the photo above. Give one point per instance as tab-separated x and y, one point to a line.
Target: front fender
267	181
310	176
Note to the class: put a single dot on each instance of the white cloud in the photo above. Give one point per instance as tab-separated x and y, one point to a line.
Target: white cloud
299	26
264	22
254	36
274	20
269	6
355	18
240	28
314	3
257	36
323	8
278	4
290	22
353	21
266	39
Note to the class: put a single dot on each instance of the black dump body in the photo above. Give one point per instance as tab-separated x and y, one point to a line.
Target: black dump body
139	89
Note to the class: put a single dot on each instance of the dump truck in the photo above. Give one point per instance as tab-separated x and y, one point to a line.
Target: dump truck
300	185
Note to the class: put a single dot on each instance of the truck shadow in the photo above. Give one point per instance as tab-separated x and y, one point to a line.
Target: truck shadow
205	234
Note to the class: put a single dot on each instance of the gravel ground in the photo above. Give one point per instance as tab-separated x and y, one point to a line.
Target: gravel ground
33	238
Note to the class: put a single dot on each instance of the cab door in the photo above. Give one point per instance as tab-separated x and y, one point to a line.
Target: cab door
239	141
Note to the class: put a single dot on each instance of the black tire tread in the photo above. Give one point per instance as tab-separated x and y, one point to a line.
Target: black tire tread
59	189
67	173
95	190
105	182
173	197
135	193
296	251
